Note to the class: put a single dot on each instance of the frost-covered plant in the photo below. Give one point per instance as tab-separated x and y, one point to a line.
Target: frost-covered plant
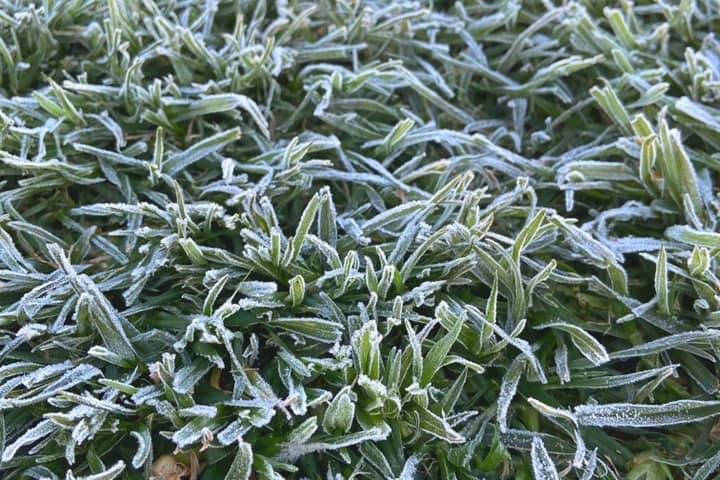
359	239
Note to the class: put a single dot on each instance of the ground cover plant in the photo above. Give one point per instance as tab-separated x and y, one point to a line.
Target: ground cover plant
359	239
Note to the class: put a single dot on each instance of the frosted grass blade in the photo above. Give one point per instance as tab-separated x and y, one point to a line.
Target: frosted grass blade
631	415
543	466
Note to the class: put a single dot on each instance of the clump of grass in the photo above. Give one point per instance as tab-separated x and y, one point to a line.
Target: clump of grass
359	239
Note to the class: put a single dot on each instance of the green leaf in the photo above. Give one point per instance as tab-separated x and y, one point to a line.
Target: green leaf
631	415
689	235
583	341
508	389
435	357
661	283
527	235
40	431
318	329
202	149
390	216
296	286
241	467
611	104
340	414
306	219
613	381
144	450
213	294
397	133
436	426
681	341
366	346
707	468
374	434
543	466
218	103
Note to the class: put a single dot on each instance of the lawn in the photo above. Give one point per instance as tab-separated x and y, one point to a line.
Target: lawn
359	239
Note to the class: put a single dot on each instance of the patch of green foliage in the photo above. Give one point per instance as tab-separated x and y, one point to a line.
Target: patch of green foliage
359	239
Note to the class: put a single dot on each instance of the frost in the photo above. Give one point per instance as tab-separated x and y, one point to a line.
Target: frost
682	341
632	415
331	239
586	343
543	466
508	390
38	432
